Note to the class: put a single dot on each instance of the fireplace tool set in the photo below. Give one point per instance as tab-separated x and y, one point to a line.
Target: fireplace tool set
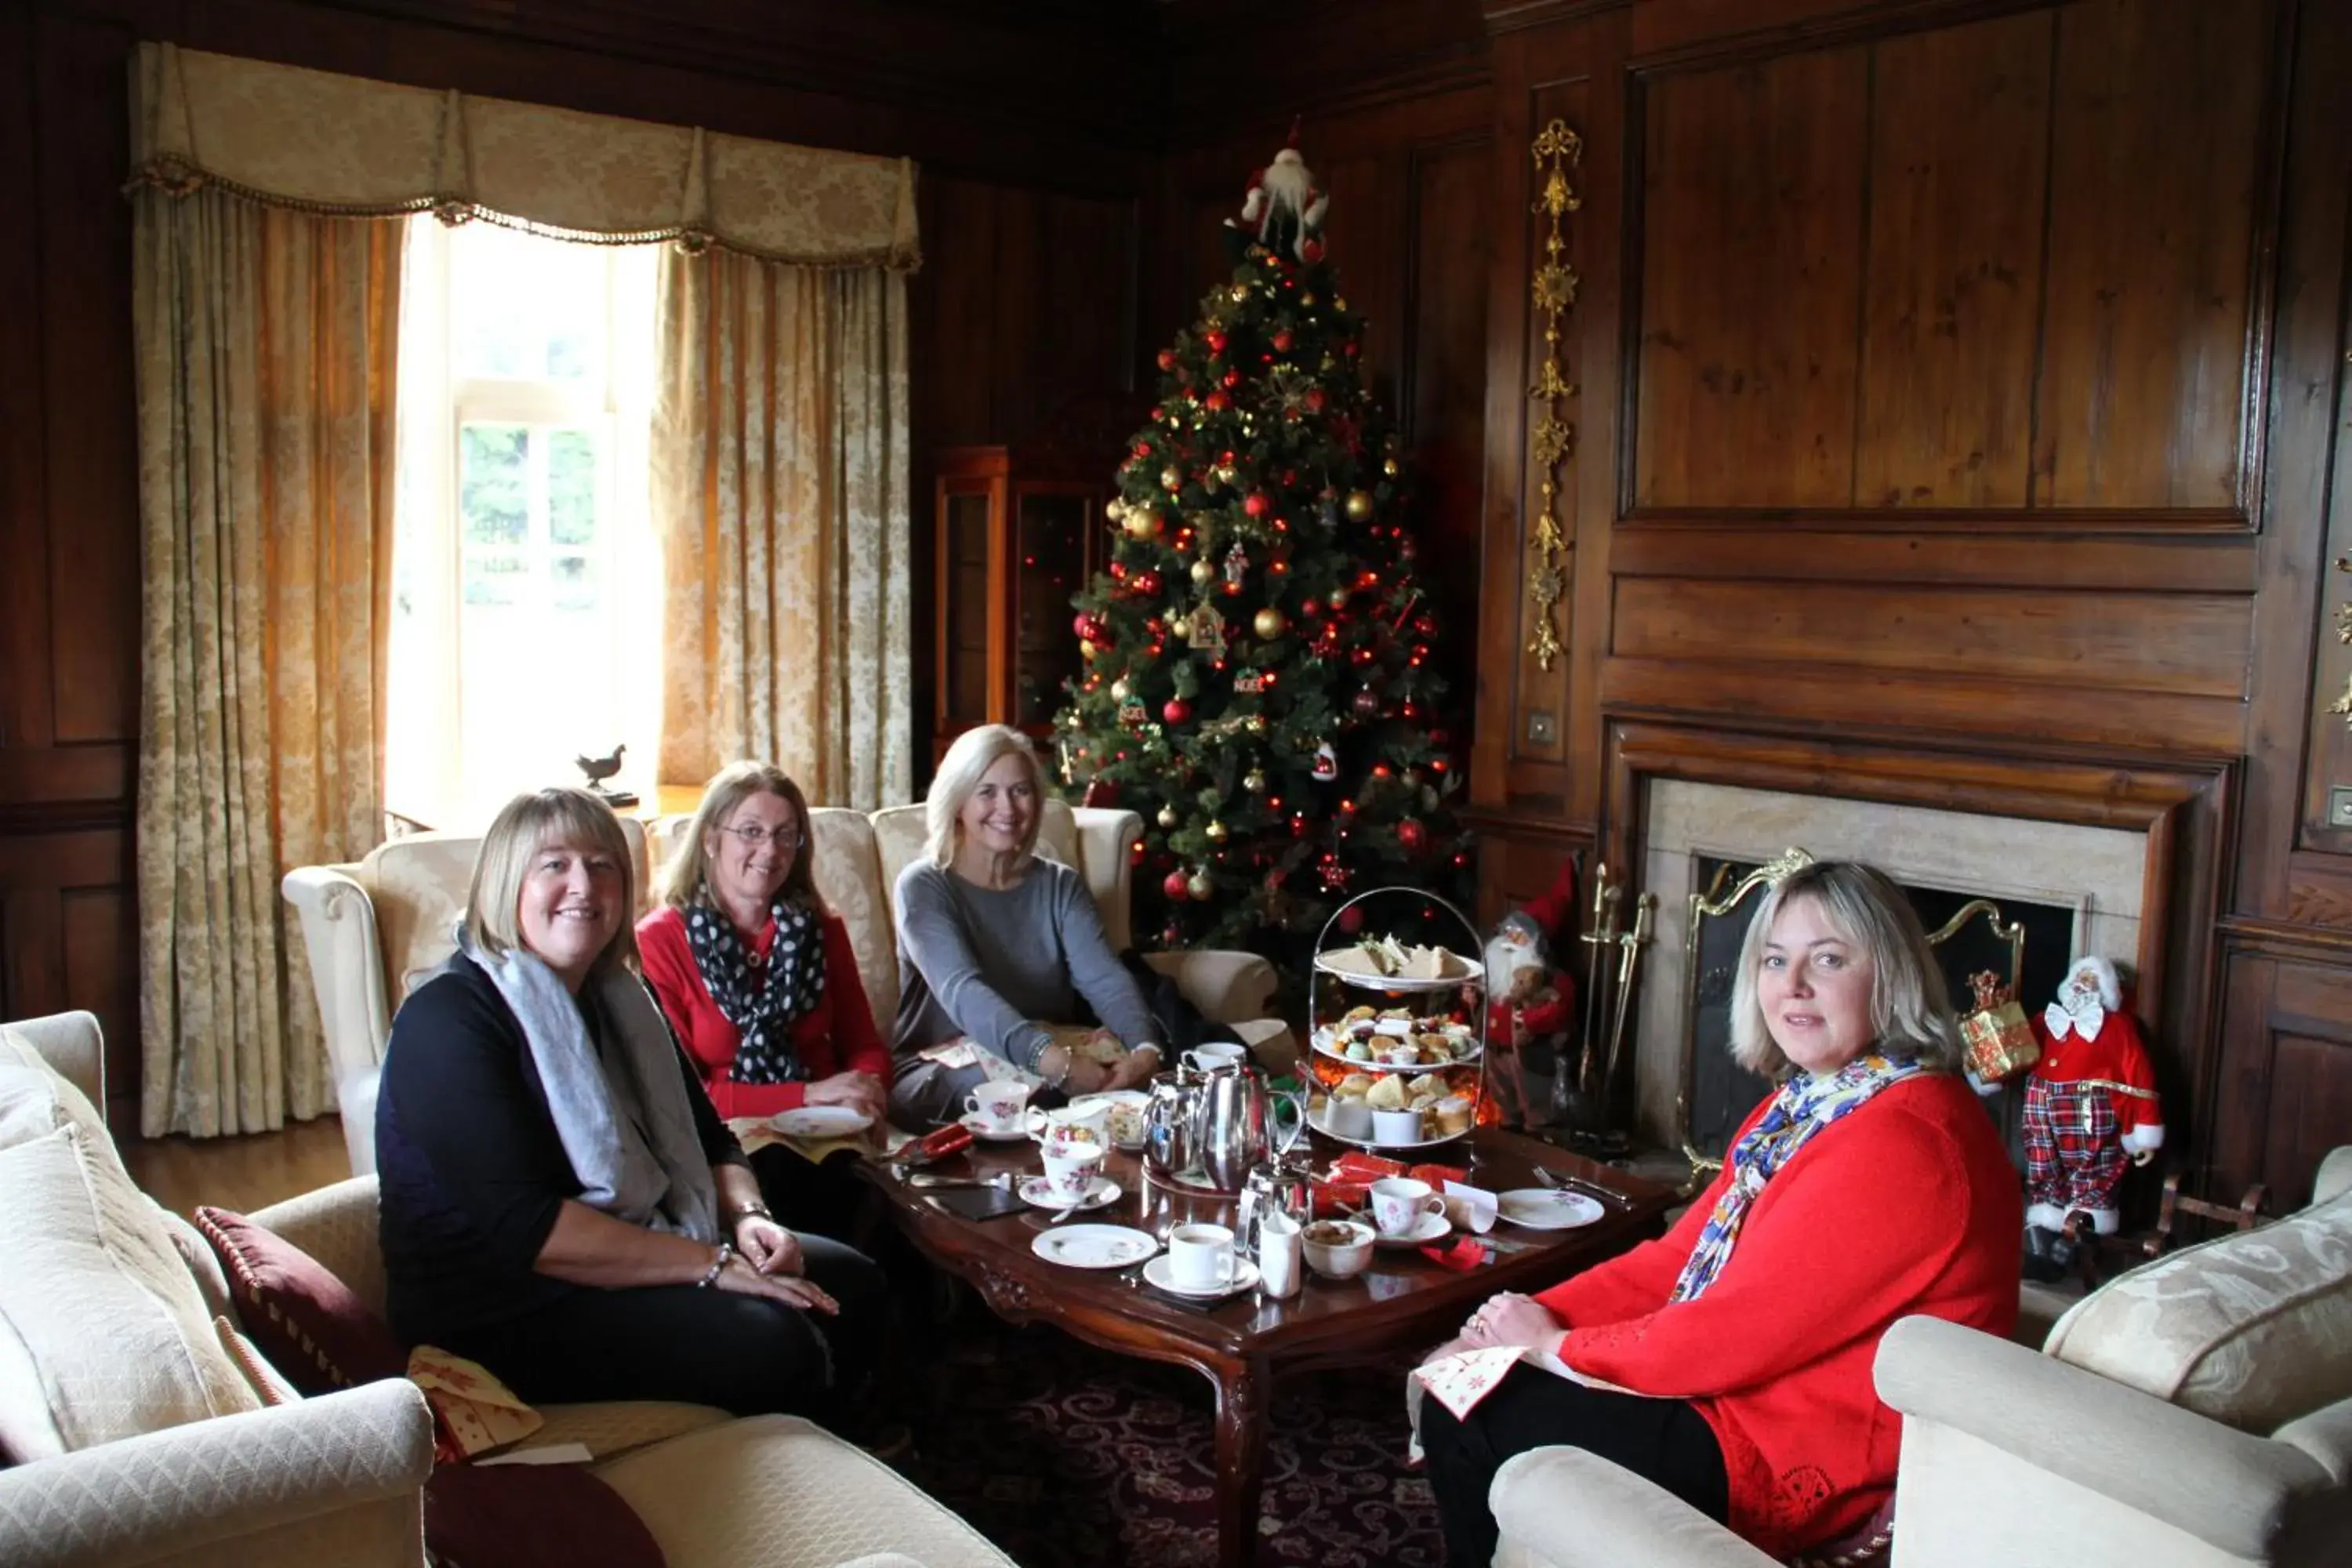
1580	1105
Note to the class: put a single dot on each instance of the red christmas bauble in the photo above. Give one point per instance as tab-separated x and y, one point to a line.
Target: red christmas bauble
1367	701
1282	342
1351	921
1312	250
1232	379
1167	359
1412	836
1316	399
1175	711
1101	792
1256	504
1216	341
1219	402
1088	628
1350	350
1143	449
1145	584
1175	886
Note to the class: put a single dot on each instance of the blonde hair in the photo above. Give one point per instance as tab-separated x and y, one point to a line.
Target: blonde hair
525	826
967	763
682	877
1910	1006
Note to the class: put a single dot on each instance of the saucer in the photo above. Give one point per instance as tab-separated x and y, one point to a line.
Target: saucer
820	1122
1158	1273
1094	1246
972	1123
1433	1227
1035	1193
1548	1208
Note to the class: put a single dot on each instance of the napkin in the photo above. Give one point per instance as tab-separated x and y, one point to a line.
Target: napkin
472	1411
1471	1208
1462	1254
754	1134
1460	1380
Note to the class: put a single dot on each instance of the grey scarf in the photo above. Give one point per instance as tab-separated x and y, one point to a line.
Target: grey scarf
623	1115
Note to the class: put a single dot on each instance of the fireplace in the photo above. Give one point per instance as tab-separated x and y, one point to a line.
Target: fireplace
2080	889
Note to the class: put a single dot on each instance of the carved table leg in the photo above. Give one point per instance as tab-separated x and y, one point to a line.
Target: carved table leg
1242	1391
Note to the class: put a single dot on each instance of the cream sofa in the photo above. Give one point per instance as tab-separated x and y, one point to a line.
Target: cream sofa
2193	1413
374	928
123	1351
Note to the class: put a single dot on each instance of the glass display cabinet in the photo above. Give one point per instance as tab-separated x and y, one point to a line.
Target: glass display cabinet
1018	534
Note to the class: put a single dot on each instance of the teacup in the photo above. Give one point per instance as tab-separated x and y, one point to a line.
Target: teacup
997	1104
1216	1056
1201	1256
1070	1169
1399	1203
1088	1123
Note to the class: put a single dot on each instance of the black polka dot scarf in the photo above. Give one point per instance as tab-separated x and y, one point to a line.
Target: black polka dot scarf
763	1002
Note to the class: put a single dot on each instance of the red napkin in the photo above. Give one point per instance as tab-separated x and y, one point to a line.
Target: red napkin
1463	1253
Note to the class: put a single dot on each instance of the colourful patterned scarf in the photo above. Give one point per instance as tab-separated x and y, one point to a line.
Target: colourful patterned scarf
1805	1105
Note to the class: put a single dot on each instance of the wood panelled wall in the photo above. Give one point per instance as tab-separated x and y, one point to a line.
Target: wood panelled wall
1034	162
1957	387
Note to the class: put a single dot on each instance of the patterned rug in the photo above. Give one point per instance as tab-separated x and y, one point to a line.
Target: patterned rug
1068	1457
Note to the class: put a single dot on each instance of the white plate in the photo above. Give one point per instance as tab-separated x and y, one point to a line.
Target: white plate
1244	1275
1433	1227
1546	1208
820	1122
1321	1041
1396	983
1094	1246
972	1123
1037	1196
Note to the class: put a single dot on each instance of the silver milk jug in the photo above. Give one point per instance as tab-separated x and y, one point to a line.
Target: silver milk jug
1276	1187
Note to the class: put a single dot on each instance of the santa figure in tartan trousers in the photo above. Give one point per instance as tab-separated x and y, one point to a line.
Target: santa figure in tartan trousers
2090	1102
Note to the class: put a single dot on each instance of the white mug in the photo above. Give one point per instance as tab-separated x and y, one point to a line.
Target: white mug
1281	1256
1070	1170
1201	1256
1399	1202
1216	1056
1347	1118
1395	1129
998	1103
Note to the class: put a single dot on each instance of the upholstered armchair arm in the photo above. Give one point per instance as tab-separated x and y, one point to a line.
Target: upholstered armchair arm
1228	987
332	1479
337	1225
339	933
1962	1393
71	1044
1563	1507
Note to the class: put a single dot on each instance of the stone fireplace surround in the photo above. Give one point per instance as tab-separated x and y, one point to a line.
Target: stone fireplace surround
2130	846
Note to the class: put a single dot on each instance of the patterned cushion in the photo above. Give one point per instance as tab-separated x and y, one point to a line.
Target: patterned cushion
2253	1328
848	878
307	1322
105	1320
35	1101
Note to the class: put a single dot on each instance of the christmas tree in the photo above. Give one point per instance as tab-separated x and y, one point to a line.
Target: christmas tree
1258	680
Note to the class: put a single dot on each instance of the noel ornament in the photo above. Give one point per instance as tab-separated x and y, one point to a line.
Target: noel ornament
1326	764
1251	682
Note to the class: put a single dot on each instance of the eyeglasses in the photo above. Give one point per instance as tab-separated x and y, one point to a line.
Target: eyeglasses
786	837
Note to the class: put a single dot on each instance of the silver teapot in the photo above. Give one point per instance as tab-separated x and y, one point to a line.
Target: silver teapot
1275	1187
1236	1124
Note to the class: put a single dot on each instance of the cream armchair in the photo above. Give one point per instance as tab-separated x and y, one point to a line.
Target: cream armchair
2196	1412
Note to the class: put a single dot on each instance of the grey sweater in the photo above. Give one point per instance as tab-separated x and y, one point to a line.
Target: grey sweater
990	966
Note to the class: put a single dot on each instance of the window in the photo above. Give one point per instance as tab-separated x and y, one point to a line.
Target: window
526	597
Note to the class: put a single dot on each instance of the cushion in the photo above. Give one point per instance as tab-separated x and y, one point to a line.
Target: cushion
531	1516
310	1325
36	1099
848	877
268	1385
203	1265
110	1337
2253	1328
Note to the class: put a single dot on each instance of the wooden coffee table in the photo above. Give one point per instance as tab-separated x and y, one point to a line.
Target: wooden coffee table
1402	1304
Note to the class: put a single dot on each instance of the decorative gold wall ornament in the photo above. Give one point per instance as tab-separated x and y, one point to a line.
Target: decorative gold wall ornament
1553	439
2344	635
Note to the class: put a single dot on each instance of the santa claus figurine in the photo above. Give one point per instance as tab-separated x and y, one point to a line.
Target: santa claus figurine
1528	1012
1283	208
2090	1104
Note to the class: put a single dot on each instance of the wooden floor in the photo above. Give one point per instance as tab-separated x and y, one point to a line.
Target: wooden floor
241	1173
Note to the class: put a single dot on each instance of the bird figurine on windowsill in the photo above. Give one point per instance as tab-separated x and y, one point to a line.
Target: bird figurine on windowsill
599	769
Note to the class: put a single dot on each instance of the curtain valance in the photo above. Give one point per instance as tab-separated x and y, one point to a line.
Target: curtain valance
347	145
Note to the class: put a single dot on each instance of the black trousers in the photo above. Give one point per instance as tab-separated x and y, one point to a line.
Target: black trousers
742	1353
1665	1439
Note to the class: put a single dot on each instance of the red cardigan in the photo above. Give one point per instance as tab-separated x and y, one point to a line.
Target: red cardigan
1907	1205
837	1035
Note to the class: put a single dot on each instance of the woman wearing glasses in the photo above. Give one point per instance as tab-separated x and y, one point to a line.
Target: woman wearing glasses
758	978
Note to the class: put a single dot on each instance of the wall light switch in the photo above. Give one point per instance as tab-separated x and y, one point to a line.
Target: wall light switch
2339	806
1543	729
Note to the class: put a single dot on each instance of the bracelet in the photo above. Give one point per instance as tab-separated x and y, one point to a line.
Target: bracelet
718	1266
1069	1059
738	1215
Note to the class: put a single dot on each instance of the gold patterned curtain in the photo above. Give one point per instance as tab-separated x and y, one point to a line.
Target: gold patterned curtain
780	465
266	342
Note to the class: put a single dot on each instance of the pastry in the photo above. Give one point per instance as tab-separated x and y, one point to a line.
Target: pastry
1388	1094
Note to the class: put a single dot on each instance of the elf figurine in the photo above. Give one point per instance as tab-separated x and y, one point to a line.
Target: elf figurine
2090	1103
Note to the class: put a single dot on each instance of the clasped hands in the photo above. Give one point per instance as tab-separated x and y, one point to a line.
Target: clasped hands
767	1262
1088	1075
859	1091
1506	1319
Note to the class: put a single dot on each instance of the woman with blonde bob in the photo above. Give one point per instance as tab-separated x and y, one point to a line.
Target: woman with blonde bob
998	945
1868	1186
559	1200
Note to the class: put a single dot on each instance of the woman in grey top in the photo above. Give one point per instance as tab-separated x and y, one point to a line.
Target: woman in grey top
996	944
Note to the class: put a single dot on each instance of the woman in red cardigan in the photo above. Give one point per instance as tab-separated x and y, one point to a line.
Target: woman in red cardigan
758	979
1870	1185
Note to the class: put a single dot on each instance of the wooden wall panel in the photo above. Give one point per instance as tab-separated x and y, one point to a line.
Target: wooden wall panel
1444	386
1958	142
2156	154
2179	644
1751	250
2310	1109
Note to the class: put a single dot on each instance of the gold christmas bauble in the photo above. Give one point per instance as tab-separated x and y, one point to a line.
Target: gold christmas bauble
1307	300
1202	571
1254	780
1118	689
1200	887
1167	816
1238	293
1339	303
1270	623
1255	723
1389	468
1087	651
1360	506
1224	473
1216	831
1171	480
1142	523
1114	509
